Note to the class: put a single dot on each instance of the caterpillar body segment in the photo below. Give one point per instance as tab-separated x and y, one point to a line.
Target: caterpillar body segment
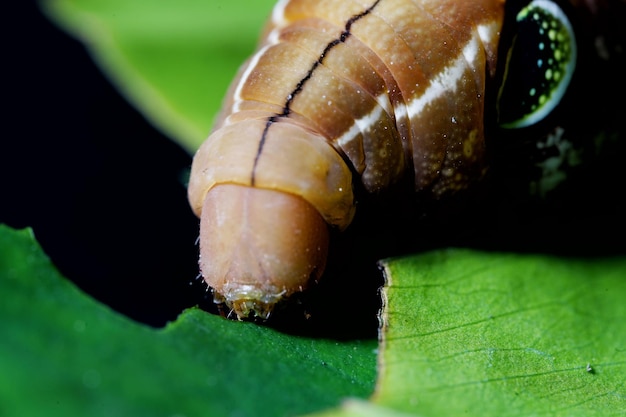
338	92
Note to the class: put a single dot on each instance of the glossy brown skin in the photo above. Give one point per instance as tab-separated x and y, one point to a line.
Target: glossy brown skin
372	88
256	243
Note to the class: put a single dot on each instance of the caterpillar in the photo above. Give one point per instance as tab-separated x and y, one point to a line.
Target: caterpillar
360	93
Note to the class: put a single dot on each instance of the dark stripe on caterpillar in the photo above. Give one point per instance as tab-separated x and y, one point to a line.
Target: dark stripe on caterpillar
403	93
270	121
345	34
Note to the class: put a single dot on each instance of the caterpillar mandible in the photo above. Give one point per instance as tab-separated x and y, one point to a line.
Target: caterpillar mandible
352	92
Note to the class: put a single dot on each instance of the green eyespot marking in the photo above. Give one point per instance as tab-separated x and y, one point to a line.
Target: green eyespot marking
539	65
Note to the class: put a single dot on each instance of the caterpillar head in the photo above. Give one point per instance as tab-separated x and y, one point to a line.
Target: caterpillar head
259	246
265	212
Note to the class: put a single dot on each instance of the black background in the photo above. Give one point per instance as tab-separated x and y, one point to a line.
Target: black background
101	188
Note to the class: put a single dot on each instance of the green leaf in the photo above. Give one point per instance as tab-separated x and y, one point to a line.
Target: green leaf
172	59
466	332
64	354
487	334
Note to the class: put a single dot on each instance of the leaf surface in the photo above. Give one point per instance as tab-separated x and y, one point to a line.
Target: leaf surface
64	354
489	334
467	333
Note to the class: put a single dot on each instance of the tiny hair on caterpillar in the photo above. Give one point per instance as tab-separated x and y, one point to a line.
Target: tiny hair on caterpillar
361	94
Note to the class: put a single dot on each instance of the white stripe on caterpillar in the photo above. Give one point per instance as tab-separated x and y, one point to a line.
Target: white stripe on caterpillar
337	92
278	14
446	81
237	98
360	125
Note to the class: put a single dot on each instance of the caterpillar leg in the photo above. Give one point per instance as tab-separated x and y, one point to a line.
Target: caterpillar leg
259	246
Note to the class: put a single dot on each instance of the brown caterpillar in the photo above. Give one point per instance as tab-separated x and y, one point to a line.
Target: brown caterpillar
341	91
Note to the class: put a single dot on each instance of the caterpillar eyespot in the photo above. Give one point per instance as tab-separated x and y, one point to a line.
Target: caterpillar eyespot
539	66
365	91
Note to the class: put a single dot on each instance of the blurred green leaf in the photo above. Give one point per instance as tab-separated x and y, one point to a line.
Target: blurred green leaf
487	334
172	60
64	354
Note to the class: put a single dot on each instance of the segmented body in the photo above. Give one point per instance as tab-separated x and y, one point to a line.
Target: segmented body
357	91
387	86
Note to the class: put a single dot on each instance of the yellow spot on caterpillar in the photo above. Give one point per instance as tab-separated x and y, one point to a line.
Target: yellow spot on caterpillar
552	34
548	74
470	143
